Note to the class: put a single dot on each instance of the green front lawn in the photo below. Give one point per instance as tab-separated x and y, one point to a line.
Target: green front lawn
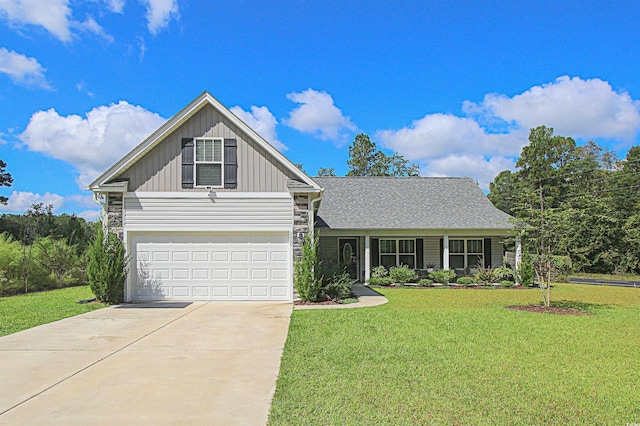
25	311
443	356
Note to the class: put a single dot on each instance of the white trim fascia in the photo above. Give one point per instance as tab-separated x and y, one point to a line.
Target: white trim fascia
209	194
112	187
305	190
174	122
203	229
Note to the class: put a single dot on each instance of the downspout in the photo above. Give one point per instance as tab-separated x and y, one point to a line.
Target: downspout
312	215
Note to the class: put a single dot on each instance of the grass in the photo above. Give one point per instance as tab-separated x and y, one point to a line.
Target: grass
29	310
443	356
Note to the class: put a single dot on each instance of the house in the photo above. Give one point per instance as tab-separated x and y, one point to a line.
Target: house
422	222
209	210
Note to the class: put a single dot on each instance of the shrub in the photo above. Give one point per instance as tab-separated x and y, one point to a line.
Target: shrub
466	281
383	282
402	274
338	286
20	268
485	276
379	272
504	273
425	282
59	258
524	273
107	267
506	283
442	276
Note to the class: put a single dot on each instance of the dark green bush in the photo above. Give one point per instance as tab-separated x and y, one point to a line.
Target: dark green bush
524	273
504	273
426	282
485	276
443	276
383	282
338	286
466	281
379	272
402	274
107	267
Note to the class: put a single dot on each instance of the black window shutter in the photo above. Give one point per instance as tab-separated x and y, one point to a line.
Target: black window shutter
230	163
487	252
419	253
375	258
441	253
187	163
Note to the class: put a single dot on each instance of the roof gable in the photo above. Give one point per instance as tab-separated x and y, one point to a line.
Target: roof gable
176	121
406	203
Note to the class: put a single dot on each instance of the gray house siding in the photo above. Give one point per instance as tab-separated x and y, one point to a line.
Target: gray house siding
160	169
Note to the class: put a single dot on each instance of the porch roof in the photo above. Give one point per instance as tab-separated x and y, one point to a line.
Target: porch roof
406	203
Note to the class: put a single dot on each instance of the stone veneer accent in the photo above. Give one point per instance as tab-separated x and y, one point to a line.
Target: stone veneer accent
114	214
300	222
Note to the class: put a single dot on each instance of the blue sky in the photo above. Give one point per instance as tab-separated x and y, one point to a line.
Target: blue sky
454	86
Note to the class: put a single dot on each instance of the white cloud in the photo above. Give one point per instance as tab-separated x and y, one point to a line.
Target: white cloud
20	201
491	135
477	167
53	15
159	13
22	69
91	26
572	106
115	6
262	121
93	143
318	115
90	215
437	135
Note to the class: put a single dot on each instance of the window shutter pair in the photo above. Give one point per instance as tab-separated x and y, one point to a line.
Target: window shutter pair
230	163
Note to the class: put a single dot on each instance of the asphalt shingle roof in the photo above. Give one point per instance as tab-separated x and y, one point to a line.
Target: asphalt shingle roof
406	203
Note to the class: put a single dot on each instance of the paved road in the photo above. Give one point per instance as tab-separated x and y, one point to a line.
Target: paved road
200	363
595	281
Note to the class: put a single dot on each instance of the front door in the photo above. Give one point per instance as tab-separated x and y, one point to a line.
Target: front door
348	256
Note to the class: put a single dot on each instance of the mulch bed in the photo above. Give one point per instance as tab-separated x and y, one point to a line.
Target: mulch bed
552	310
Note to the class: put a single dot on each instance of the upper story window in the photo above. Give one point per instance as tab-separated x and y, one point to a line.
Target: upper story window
209	162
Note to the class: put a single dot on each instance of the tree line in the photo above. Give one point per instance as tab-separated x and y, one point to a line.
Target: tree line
42	251
576	205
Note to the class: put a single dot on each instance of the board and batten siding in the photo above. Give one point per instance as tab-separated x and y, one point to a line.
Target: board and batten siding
204	212
160	169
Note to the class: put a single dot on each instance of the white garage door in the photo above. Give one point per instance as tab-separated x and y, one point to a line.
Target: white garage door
210	266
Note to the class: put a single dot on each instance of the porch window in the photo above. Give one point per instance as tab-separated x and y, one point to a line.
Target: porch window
396	252
466	253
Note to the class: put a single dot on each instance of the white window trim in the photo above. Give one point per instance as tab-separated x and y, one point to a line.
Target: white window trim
196	162
397	253
466	253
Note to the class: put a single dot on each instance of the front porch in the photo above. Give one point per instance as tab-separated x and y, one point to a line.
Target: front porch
419	251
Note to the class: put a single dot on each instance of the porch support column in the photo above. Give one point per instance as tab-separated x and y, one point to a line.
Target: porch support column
445	252
367	258
518	253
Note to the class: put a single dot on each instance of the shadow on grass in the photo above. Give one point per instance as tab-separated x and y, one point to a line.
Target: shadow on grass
582	306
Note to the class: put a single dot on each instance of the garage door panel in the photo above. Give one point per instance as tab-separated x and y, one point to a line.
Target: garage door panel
210	266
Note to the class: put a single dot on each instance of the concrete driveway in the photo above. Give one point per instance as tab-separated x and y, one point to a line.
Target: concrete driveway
161	363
